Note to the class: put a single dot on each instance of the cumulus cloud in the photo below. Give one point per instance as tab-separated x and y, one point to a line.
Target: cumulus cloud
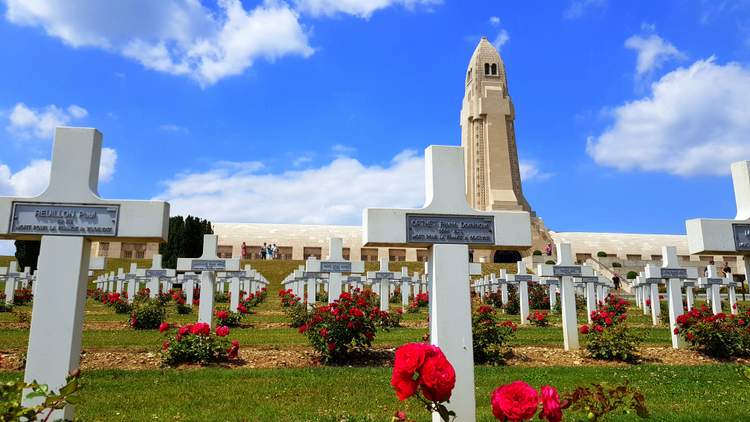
180	37
494	20
579	8
653	51
26	122
530	170
334	193
173	128
33	179
696	120
502	38
359	8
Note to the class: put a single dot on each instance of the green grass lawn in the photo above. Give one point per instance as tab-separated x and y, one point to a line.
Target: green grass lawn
673	393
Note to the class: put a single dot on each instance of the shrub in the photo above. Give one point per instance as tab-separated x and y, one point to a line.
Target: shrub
390	319
221	297
717	335
494	298
539	318
180	299
601	254
616	265
538	296
550	262
288	298
615	305
347	324
537	252
421	299
513	307
632	275
194	343
143	294
12	409
609	338
229	319
147	315
490	337
22	297
164	298
5	307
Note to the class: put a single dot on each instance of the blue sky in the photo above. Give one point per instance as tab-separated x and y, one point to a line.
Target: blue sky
627	113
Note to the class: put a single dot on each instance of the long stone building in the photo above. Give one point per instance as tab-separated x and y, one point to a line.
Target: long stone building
493	182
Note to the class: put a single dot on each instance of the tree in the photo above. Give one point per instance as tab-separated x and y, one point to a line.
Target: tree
185	239
27	253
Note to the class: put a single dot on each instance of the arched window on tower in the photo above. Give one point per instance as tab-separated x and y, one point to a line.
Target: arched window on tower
486	68
494	69
468	77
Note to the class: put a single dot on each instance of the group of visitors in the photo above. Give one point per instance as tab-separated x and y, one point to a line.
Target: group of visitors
267	251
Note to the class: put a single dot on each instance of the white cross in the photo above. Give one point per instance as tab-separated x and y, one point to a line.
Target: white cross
154	275
382	278
522	278
673	273
712	283
565	270
66	217
11	274
335	265
207	265
590	283
450	303
726	237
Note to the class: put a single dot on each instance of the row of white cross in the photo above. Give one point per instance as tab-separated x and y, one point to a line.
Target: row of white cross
70	214
15	279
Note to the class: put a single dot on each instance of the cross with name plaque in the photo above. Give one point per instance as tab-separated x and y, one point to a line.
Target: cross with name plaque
673	273
447	226
712	283
382	279
522	278
189	281
155	275
565	270
590	283
10	275
335	265
132	283
726	237
66	217
207	265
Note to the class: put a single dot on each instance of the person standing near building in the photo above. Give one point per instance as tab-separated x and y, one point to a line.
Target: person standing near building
548	249
727	270
616	281
244	250
263	251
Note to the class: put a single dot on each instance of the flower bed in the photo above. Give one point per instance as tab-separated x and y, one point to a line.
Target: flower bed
194	343
22	297
609	338
490	336
229	319
147	315
539	318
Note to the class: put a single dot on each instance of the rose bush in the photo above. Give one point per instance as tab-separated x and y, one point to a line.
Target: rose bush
539	318
227	318
490	336
22	297
147	315
538	296
719	335
423	368
194	343
614	305
609	338
347	324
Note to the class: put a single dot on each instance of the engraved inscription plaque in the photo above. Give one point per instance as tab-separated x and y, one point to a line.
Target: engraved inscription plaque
208	265
566	271
674	273
523	277
156	273
64	219
335	267
589	279
448	229
383	275
741	237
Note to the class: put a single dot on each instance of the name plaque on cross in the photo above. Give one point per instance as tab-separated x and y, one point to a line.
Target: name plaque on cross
448	229
208	265
335	267
524	277
589	279
156	273
64	219
674	273
566	271
382	275
308	274
232	274
741	237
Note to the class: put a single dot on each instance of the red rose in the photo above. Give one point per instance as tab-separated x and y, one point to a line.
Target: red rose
404	385
608	321
163	327
550	404
400	415
331	347
201	328
233	350
689	336
165	346
323	332
410	357
516	401
676	330
437	378
584	329
222	314
222	331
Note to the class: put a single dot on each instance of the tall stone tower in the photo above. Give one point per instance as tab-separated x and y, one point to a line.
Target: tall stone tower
488	135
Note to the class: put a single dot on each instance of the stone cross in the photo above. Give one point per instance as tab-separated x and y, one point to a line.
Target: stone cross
335	265
448	227
155	275
590	283
189	281
120	280
208	264
383	278
673	273
522	278
552	284
726	237
131	279
66	217
565	270
712	283
11	274
311	278
405	282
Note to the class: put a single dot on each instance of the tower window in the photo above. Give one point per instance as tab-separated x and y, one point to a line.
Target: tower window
494	69
468	77
486	68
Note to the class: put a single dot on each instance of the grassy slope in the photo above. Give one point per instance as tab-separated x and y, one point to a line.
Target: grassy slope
673	393
4	260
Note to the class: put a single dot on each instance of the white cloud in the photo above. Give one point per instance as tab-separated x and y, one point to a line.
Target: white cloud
343	150
180	37
695	121
653	51
360	8
173	128
26	122
530	170
33	179
579	8
334	193
494	20
502	38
